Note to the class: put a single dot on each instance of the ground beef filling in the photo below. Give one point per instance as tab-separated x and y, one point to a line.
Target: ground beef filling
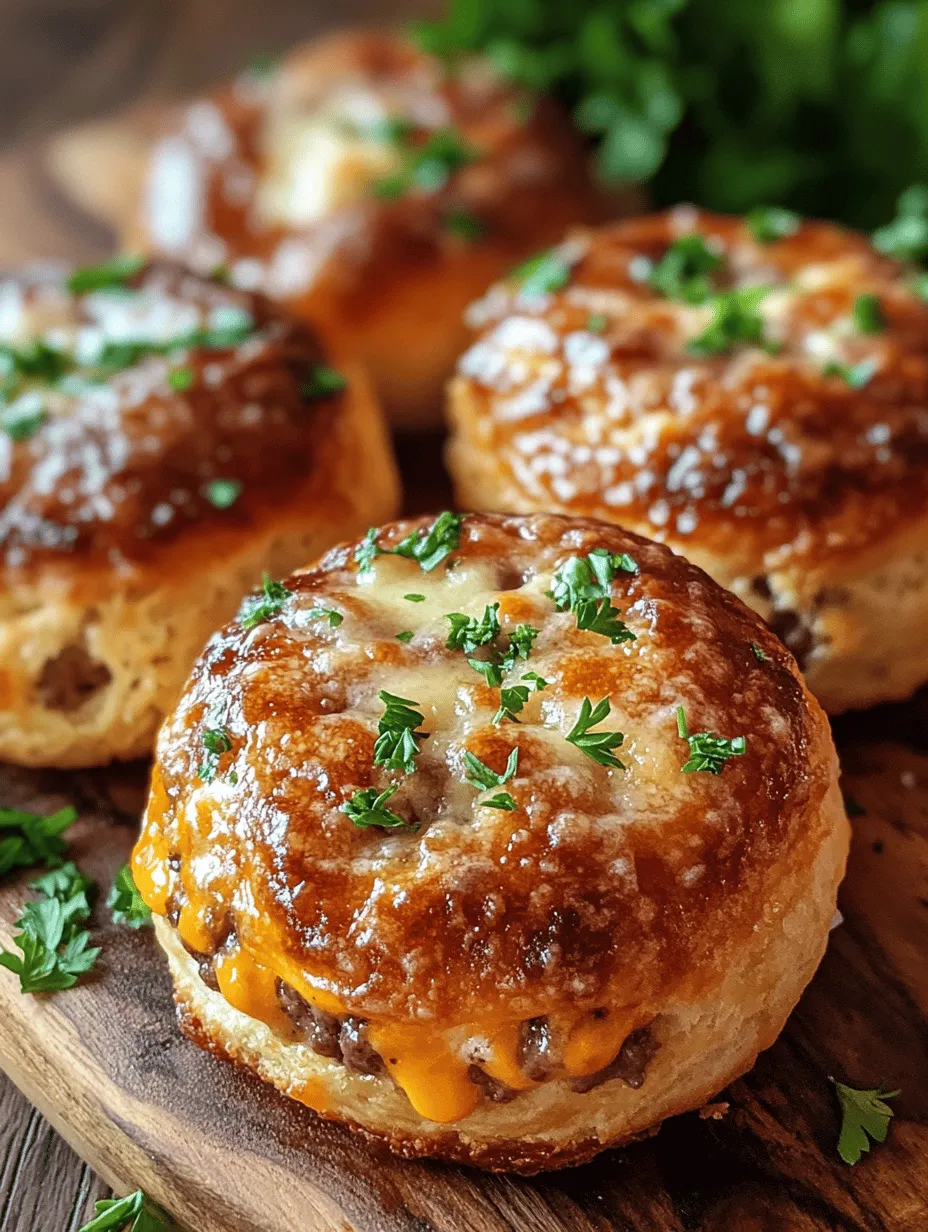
344	1040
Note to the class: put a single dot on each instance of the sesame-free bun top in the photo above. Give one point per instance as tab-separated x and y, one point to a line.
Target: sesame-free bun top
801	444
628	886
375	189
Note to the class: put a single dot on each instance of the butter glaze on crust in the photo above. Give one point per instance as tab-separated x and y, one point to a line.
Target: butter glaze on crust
682	911
116	561
273	179
804	495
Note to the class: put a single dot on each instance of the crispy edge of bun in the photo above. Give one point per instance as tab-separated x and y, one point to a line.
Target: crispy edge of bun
144	630
858	627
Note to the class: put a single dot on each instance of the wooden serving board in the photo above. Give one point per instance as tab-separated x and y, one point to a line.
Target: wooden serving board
224	1153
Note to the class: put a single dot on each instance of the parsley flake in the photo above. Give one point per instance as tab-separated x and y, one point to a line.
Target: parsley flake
597	746
769	223
366	808
864	1115
582	584
429	166
323	381
858	376
491	671
27	839
414	598
482	776
597	322
23	418
760	655
599	616
223	493
502	800
521	641
216	742
906	237
868	314
396	746
125	902
406	636
325	613
180	379
708	752
113	273
683	271
467	633
542	274
134	1213
511	701
258	608
735	320
538	681
427	547
464	226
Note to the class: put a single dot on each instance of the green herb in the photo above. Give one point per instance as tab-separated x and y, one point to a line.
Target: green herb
366	808
126	903
464	226
511	701
261	607
542	274
735	320
760	655
868	315
27	838
429	166
582	584
467	633
396	746
406	636
428	547
599	616
918	285
480	775
134	1213
521	641
490	670
23	418
597	746
216	741
708	752
502	800
858	376
223	493
538	681
863	1114
113	273
229	327
325	613
597	322
769	223
55	951
180	379
391	130
906	237
683	271
414	598
323	381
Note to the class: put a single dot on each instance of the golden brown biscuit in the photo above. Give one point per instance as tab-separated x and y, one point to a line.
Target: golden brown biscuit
374	190
163	440
778	437
428	851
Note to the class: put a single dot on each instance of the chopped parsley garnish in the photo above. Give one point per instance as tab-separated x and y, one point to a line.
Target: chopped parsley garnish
406	636
582	584
542	274
427	547
708	752
599	616
521	641
760	655
216	741
769	223
323	381
906	237
538	681
134	1213
918	285
391	130
735	320
28	838
325	613
511	700
858	376
23	418
180	379
429	166
464	226
597	746
683	271
366	808
864	1115
481	776
223	493
125	902
467	633
55	951
502	800
261	607
596	322
868	314
397	741
489	670
113	273
414	598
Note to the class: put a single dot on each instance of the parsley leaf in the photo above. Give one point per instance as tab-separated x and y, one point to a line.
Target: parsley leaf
542	274
428	547
597	322
481	776
582	585
29	838
769	223
858	376
708	752
491	672
406	636
464	226
325	613
180	379
414	598
55	951
502	800
538	681
868	314
467	633
521	641
223	493
863	1113
735	320
113	273
258	608
599	616
366	808
216	741
396	746
429	166
597	746
125	902
323	381
511	701
906	237
134	1213
760	655
683	271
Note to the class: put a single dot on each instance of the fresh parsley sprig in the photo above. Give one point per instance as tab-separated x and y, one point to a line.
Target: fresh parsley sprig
597	746
599	616
125	902
328	614
368	808
397	745
482	776
683	272
582	585
31	838
134	1213
708	752
769	223
511	701
55	951
468	633
735	320
258	608
865	1115
427	547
